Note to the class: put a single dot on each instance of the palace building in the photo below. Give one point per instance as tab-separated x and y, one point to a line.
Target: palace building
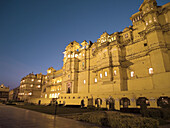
4	93
13	94
30	86
118	70
53	83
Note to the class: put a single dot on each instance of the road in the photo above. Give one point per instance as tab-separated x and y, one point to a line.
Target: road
13	117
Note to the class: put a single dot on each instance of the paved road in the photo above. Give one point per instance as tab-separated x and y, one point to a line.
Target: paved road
12	117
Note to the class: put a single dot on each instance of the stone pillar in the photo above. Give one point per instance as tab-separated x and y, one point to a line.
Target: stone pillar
132	102
104	103
117	104
153	102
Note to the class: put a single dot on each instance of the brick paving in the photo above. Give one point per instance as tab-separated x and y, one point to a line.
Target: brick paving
12	117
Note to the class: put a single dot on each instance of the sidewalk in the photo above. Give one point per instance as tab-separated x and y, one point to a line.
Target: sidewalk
12	117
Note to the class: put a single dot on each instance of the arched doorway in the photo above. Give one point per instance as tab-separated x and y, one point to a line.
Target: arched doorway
69	87
142	100
68	90
163	102
98	102
39	102
90	101
125	102
82	103
111	102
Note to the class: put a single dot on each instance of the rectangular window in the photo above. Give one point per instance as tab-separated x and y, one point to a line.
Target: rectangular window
30	93
115	73
146	23
100	75
52	96
132	74
84	81
145	44
76	55
150	70
105	73
95	80
45	95
126	35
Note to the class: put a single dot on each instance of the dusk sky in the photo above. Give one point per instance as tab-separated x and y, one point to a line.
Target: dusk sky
34	33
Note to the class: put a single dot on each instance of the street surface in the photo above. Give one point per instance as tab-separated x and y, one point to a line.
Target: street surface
12	117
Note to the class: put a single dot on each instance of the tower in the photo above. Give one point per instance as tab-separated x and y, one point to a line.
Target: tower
70	68
155	33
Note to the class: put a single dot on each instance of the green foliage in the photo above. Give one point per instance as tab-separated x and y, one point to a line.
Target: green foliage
91	107
117	120
162	113
104	121
10	103
91	117
153	113
132	122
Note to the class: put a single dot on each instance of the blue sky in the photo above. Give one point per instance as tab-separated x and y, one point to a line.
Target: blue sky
34	33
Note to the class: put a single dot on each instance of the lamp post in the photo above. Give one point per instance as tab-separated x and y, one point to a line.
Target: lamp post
56	104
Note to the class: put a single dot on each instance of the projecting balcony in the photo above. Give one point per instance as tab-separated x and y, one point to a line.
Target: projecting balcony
53	84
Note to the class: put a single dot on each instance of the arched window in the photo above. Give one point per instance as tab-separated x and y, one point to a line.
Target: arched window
125	102
163	102
68	90
142	100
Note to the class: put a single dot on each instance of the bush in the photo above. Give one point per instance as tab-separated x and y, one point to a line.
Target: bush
26	103
163	113
153	113
91	107
104	121
10	104
132	122
130	110
162	121
117	120
91	117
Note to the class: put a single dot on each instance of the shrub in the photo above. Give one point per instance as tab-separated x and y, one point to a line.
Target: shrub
104	121
91	117
163	113
10	104
117	120
130	110
153	113
91	107
133	122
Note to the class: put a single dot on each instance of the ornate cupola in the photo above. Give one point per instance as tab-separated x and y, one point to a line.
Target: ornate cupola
148	5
